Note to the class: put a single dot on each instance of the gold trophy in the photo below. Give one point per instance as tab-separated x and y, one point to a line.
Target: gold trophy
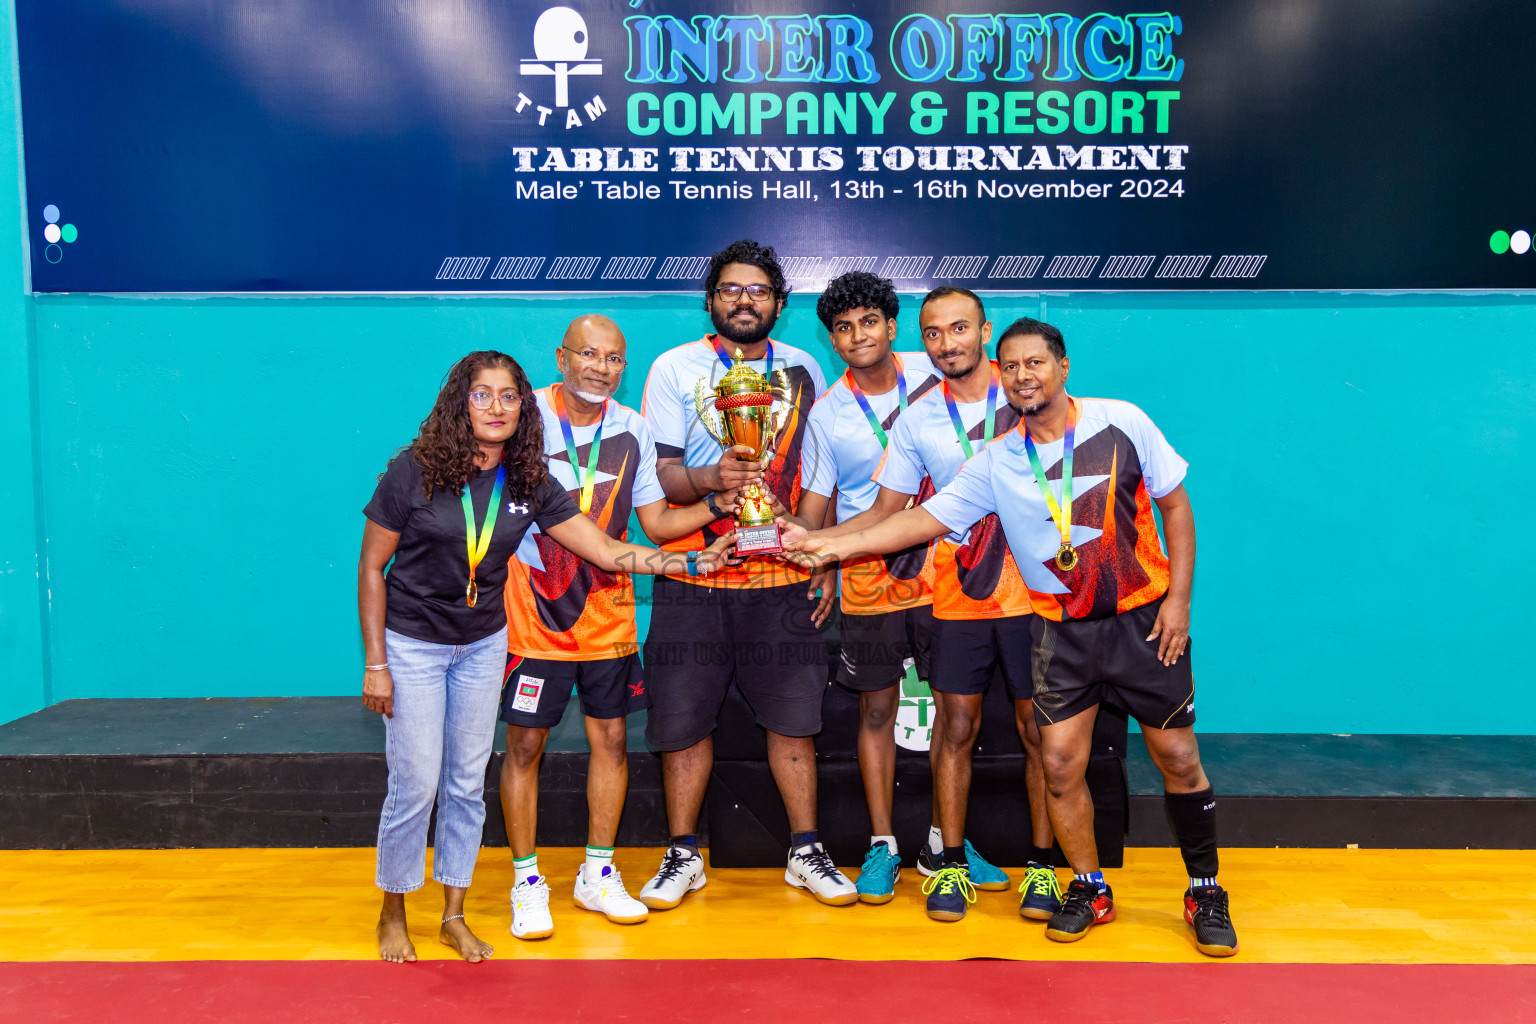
742	413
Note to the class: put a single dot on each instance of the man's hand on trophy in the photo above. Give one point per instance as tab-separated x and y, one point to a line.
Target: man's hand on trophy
804	548
729	502
738	469
719	554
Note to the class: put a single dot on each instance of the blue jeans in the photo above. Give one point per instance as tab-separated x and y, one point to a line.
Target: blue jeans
437	745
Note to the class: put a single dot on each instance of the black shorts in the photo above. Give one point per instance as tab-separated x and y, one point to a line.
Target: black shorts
1081	663
967	653
703	639
536	690
876	648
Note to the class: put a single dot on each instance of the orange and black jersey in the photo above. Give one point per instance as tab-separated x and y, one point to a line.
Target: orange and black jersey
974	574
560	607
1121	464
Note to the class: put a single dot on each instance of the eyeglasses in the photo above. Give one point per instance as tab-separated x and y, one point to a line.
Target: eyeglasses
592	355
755	292
482	399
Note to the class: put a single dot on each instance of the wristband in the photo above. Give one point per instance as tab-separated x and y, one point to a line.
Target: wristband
714	506
375	668
693	563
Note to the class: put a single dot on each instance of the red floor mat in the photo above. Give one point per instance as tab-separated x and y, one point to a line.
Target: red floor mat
677	992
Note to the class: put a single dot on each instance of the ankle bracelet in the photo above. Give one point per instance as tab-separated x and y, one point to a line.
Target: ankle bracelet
455	917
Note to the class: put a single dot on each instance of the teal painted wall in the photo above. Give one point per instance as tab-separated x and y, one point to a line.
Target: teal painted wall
23	672
1358	472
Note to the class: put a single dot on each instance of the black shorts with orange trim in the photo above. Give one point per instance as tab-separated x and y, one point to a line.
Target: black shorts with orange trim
1081	663
969	653
876	648
536	690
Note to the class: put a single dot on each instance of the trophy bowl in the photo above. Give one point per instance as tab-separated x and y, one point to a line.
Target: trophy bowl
742	412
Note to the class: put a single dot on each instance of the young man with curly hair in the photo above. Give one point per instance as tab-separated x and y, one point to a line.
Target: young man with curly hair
981	609
887	600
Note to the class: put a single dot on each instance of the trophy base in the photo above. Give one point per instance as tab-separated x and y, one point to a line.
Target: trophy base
758	540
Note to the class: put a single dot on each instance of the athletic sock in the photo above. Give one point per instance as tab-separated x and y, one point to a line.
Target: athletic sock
690	841
1193	817
956	855
805	838
935	840
1042	855
1092	878
889	841
525	869
599	858
1195	883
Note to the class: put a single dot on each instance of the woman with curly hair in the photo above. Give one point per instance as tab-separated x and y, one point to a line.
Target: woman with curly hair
449	511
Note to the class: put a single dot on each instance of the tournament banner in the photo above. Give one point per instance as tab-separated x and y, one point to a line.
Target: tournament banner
429	146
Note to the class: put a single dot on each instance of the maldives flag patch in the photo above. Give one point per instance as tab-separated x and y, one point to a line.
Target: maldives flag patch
527	697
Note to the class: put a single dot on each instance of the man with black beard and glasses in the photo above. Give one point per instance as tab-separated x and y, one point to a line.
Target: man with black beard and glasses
1074	485
705	632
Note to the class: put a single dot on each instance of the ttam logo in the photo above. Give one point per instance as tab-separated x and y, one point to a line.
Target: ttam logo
560	41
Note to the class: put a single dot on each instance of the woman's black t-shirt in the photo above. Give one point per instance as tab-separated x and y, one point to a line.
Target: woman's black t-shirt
425	585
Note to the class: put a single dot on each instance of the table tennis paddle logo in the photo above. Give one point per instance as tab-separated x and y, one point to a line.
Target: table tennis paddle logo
914	711
560	45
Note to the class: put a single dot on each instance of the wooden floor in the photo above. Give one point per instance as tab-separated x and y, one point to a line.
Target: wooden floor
1290	906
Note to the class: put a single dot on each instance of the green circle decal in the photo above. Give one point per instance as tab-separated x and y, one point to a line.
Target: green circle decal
70	233
1499	243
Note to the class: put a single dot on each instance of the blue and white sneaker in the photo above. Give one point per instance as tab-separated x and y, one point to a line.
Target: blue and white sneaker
879	875
983	874
949	891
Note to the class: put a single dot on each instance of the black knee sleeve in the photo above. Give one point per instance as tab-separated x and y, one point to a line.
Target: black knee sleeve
1193	817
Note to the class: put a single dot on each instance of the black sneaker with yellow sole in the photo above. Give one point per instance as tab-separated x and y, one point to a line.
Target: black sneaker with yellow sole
1085	905
1205	910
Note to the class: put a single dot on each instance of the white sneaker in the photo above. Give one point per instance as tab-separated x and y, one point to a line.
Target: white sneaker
682	872
607	895
530	910
811	868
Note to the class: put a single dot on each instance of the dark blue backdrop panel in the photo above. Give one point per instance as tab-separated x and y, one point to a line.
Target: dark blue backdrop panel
490	145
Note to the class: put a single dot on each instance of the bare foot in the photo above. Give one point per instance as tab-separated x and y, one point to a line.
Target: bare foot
394	941
456	934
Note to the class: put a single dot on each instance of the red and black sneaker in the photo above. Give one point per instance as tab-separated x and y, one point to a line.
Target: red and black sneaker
1205	910
1084	906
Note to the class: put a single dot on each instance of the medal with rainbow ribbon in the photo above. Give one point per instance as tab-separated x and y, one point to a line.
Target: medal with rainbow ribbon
954	415
587	481
869	414
1066	558
479	541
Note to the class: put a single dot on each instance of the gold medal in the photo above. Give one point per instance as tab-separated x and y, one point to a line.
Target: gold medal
1061	513
1066	558
478	541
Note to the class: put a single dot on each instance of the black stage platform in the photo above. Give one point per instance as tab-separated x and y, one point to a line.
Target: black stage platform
309	771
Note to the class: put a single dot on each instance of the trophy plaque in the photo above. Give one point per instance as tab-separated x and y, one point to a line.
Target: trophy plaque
742	412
